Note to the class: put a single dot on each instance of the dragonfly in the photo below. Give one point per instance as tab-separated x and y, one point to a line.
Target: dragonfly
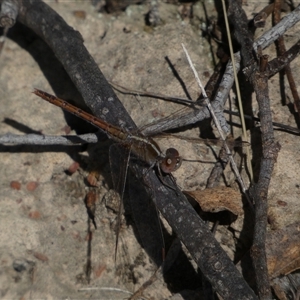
143	147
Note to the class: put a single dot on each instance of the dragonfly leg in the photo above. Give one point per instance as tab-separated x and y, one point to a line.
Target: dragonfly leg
161	177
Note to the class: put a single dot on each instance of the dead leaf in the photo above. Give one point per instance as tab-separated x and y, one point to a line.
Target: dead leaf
283	250
218	199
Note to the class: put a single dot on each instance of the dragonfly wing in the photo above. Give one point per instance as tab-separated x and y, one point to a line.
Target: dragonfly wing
119	159
175	120
142	209
218	142
146	219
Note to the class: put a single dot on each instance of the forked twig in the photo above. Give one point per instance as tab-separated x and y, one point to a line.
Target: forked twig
257	71
233	164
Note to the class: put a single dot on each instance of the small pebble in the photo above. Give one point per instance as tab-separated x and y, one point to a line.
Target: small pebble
16	185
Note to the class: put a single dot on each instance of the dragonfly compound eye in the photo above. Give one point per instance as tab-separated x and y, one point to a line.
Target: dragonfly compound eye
171	162
178	163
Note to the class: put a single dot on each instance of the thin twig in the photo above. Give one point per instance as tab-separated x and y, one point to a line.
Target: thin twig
125	90
238	92
112	289
39	139
280	62
260	19
281	51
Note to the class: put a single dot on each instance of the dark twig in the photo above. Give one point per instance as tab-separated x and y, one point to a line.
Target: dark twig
260	19
238	19
280	62
283	127
192	231
258	76
263	63
281	51
260	189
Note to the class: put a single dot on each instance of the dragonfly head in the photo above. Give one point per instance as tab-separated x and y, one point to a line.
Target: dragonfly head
171	162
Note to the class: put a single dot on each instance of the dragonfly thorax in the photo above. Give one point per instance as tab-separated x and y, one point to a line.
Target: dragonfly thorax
147	149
